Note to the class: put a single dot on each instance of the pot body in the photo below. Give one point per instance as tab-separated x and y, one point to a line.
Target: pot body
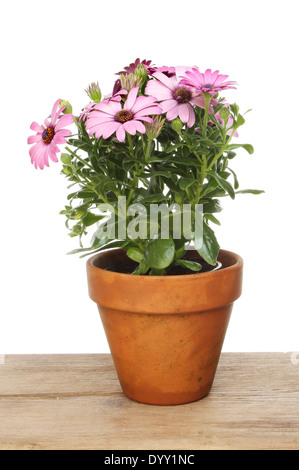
165	333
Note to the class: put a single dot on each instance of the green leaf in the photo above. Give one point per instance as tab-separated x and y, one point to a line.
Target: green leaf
212	219
141	269
135	254
160	253
108	246
251	191
185	183
154	198
211	206
236	182
192	265
91	219
240	120
157	272
223	183
248	147
207	245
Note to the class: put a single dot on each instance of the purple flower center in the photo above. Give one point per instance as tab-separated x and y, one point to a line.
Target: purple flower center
182	95
124	116
48	135
208	85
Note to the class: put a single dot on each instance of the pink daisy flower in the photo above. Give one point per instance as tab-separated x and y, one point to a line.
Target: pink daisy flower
168	71
176	98
113	116
208	82
85	111
91	106
48	136
132	67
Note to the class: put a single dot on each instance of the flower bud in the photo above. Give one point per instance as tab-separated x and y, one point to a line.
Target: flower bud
141	73
94	92
68	109
129	81
153	129
177	125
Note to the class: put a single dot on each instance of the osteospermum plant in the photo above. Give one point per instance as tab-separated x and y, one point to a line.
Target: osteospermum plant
162	138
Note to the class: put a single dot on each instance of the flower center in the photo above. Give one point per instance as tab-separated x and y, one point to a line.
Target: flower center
123	116
182	95
208	85
48	135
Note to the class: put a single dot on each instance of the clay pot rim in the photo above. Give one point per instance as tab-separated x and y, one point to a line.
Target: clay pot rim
238	264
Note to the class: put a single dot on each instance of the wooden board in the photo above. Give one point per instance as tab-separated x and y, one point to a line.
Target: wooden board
75	402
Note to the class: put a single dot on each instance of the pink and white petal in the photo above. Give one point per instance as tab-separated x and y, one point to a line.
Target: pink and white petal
172	114
121	133
199	101
93	123
60	111
110	108
130	127
132	96
149	111
37	155
183	110
168	105
34	138
180	72
143	102
220	79
36	127
52	154
65	120
64	132
53	114
158	90
140	127
170	83
144	118
59	139
45	157
111	127
191	120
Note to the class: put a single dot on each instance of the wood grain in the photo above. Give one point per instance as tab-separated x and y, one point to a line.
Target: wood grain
75	402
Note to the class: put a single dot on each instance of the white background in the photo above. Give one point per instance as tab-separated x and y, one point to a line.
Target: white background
52	50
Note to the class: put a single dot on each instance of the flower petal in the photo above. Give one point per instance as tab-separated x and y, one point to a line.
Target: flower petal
110	128
53	114
121	133
34	138
65	120
36	127
183	110
132	96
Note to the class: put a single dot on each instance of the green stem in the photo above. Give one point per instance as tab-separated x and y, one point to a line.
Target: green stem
221	151
78	158
205	122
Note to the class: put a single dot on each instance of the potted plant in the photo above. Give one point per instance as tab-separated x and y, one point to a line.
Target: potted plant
147	167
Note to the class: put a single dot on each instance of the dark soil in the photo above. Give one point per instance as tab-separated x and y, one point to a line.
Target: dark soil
129	266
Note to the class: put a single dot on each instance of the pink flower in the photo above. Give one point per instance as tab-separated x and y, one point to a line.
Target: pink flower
207	82
91	106
85	111
48	136
168	71
176	98
132	67
112	116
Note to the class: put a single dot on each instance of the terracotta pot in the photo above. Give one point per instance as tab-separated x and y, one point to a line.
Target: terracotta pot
166	332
